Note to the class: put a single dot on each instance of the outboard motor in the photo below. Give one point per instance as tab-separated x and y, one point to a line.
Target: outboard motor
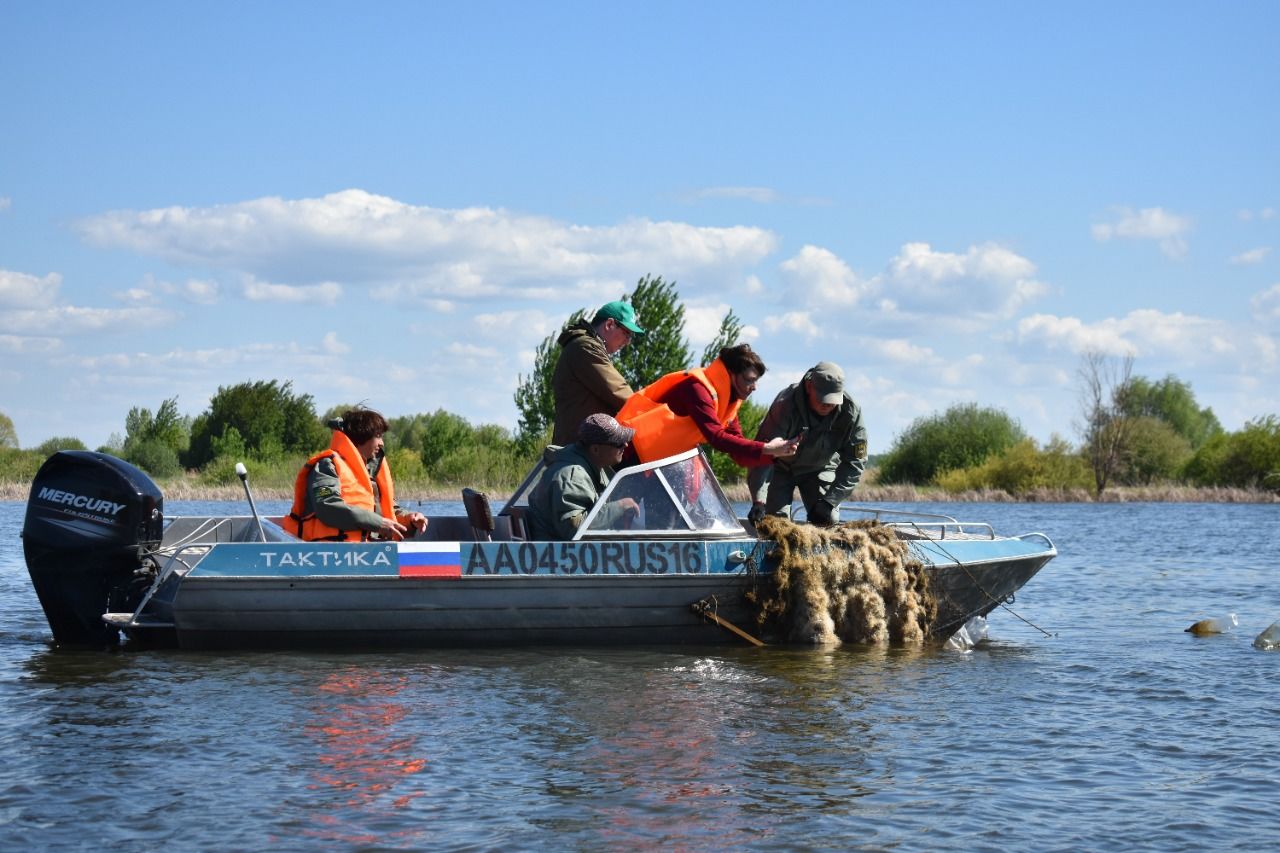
91	518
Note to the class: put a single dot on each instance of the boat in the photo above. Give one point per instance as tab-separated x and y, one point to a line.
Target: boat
105	562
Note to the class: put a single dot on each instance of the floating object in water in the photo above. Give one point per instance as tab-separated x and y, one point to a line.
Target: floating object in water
1269	639
1214	625
970	634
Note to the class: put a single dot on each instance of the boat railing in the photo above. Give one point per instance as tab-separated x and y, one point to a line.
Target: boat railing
174	558
1047	540
184	530
913	521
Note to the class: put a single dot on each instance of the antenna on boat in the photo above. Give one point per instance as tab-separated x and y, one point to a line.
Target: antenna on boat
243	473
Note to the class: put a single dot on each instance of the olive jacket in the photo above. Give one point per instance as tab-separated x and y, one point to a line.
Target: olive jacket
585	382
324	498
565	494
834	449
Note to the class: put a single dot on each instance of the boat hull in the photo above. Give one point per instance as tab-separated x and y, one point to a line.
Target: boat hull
471	611
460	594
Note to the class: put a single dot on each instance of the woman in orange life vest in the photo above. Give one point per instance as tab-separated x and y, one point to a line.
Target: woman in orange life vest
686	408
346	493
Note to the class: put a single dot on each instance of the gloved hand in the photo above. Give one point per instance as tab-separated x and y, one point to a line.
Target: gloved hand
756	514
821	514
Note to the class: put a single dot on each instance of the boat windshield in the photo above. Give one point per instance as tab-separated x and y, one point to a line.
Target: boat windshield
676	497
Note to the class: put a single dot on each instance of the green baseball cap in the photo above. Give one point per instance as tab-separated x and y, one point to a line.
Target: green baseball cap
621	313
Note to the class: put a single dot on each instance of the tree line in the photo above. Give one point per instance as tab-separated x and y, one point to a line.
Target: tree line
1132	431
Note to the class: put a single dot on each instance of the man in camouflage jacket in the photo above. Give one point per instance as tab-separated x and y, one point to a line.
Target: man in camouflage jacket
832	454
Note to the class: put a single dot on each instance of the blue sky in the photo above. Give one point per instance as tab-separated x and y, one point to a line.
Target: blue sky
396	203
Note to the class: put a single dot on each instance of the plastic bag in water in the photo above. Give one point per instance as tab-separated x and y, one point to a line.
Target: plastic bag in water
1216	625
1268	640
970	634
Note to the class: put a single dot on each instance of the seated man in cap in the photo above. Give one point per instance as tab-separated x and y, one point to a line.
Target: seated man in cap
831	456
585	381
575	476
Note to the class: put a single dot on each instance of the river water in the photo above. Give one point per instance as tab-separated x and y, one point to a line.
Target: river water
1119	731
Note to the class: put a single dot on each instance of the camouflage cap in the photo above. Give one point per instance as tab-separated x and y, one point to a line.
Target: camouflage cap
602	429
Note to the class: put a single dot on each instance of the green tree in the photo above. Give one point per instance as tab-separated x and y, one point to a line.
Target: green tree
730	331
661	350
155	442
1172	401
53	445
1157	452
1205	465
1252	456
963	436
443	433
155	457
8	435
1022	468
269	418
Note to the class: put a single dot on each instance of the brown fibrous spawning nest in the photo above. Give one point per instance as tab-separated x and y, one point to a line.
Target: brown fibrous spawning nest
855	582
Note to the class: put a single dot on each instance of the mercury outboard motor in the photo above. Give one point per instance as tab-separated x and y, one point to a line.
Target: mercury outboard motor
91	518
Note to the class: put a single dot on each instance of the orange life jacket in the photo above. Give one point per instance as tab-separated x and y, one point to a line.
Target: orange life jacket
355	486
660	432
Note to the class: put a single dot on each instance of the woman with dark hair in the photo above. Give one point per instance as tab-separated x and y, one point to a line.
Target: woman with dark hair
689	407
345	493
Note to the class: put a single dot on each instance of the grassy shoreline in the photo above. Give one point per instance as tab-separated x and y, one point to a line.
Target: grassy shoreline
185	489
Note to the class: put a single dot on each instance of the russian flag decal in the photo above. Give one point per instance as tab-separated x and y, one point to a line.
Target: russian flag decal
430	559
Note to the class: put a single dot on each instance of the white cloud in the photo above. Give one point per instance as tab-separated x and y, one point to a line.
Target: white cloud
1268	349
471	351
760	195
1251	257
702	323
5	203
359	238
1248	215
1266	306
954	290
505	326
333	346
986	282
70	319
325	293
1150	223
798	322
961	371
21	290
200	291
817	276
137	296
898	350
1142	333
28	345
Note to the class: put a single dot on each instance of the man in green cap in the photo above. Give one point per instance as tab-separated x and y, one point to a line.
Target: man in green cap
585	381
832	453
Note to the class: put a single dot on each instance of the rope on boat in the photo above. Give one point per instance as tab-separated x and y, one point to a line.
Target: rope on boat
706	608
1002	602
